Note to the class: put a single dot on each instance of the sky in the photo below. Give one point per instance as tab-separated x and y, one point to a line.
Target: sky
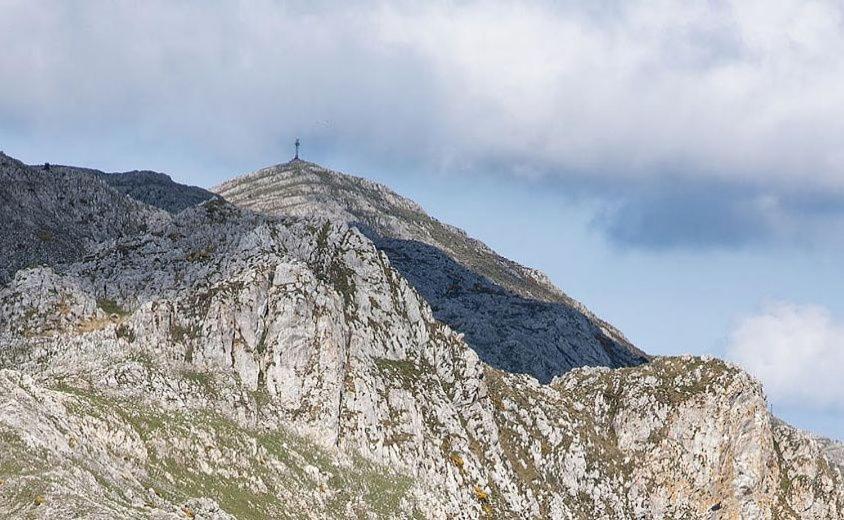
678	167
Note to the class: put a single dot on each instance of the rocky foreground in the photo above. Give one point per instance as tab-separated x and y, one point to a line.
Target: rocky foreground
221	362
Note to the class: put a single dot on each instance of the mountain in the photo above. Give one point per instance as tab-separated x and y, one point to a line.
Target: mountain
153	188
512	316
834	450
55	216
223	363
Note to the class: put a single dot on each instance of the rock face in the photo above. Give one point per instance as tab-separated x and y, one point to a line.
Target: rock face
512	316
221	363
55	216
833	450
153	188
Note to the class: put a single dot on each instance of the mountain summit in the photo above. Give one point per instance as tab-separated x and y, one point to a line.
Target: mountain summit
512	316
329	360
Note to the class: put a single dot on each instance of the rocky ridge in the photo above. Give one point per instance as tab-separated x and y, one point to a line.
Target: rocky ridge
153	188
222	363
55	216
834	450
513	316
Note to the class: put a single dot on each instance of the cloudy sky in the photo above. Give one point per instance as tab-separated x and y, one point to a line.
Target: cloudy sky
677	166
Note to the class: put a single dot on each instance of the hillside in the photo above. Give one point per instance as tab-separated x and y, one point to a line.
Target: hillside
153	188
57	216
512	316
834	450
223	363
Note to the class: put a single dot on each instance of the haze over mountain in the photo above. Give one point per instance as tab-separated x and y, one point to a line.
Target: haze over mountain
312	345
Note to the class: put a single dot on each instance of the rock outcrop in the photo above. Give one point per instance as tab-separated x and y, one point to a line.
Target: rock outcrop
512	316
222	363
833	450
153	188
49	216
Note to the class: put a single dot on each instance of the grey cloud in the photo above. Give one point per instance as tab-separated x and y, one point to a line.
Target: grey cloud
607	97
690	213
687	214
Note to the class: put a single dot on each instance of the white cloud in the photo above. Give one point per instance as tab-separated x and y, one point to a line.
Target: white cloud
733	88
796	351
641	94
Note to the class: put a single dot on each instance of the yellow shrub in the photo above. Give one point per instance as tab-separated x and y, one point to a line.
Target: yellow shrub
480	494
457	460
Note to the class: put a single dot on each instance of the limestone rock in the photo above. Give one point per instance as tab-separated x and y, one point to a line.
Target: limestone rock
221	363
512	316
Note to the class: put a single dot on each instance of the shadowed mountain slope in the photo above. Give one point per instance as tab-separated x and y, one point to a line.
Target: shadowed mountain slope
153	188
51	216
513	316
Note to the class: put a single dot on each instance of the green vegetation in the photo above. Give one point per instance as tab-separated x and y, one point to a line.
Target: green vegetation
142	357
21	469
403	370
344	282
181	334
217	210
252	474
261	347
204	380
261	396
111	307
322	236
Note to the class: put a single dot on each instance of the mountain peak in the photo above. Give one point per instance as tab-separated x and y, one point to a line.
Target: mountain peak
220	363
513	316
